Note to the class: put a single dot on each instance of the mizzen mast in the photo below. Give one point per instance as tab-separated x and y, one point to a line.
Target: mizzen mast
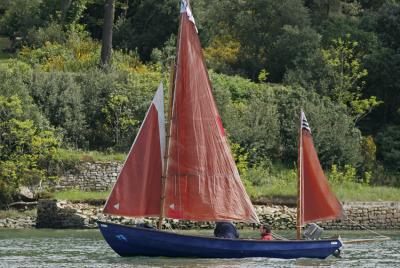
299	182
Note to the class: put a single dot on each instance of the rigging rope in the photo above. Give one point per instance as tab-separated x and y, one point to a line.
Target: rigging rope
275	235
355	223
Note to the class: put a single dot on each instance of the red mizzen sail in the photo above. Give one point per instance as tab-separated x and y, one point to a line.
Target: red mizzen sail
318	202
202	179
137	191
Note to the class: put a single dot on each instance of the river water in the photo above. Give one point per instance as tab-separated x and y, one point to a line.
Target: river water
86	248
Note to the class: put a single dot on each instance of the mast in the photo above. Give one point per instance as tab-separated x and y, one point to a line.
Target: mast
168	135
299	182
171	94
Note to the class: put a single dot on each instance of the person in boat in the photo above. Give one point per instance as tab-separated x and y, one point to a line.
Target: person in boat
266	233
225	230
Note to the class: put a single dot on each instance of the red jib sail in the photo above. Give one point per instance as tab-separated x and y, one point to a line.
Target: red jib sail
137	191
202	179
318	202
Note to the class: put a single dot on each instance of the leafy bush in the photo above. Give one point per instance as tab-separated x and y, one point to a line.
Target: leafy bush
254	124
53	33
368	151
14	76
349	174
60	99
79	53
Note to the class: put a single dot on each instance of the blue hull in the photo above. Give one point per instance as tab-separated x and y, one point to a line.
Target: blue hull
136	241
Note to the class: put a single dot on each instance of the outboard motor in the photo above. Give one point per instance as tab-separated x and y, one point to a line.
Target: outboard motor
313	232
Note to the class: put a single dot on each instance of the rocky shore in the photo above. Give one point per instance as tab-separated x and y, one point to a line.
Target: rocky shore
63	214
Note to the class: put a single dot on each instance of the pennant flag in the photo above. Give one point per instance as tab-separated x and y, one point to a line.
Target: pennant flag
304	122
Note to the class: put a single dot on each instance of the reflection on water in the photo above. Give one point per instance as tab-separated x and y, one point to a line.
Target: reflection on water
86	248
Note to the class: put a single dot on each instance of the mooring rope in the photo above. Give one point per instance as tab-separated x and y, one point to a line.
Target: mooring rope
367	229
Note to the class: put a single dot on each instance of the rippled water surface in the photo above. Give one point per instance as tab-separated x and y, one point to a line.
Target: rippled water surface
86	248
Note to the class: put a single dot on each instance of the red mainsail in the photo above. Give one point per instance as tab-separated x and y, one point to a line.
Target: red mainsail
202	179
137	191
318	202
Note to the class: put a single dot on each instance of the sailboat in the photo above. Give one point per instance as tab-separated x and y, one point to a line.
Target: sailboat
182	168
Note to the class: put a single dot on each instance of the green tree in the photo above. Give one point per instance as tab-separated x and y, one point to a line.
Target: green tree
322	10
292	49
264	120
147	25
335	137
222	53
26	153
256	25
14	76
388	24
19	17
348	77
383	65
389	142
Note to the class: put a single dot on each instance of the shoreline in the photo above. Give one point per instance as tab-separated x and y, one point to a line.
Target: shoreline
78	215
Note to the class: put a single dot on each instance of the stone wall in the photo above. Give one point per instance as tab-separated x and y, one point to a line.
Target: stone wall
88	176
18	222
375	215
58	215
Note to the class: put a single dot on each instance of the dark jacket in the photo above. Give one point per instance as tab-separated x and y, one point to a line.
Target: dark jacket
226	230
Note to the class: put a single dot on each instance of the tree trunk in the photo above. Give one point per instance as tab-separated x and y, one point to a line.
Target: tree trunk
106	45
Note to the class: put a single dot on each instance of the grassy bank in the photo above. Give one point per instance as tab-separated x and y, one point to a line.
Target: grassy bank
349	191
12	213
89	156
361	192
76	195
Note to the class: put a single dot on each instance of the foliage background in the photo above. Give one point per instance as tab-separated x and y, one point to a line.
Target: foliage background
338	60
